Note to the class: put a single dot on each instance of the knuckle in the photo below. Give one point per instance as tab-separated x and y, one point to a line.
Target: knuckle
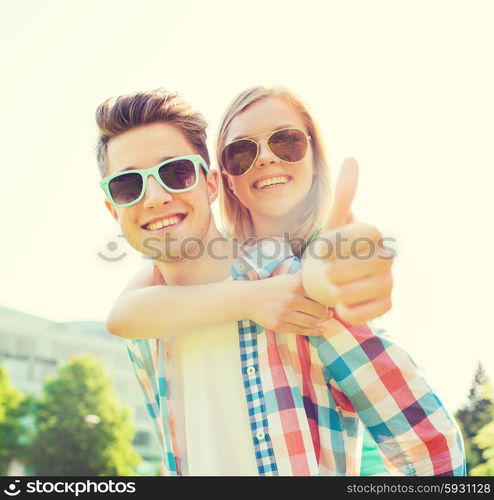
346	314
340	294
291	285
311	322
284	303
322	311
390	281
276	324
332	272
353	318
387	282
387	264
296	279
387	304
319	331
386	256
376	233
291	300
372	232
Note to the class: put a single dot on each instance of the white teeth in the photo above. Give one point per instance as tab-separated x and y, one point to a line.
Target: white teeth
271	181
163	223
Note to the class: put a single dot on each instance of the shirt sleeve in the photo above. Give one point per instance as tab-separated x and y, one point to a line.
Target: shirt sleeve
382	384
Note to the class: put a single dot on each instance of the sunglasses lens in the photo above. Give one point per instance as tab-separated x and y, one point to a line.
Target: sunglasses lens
125	188
289	145
179	174
239	156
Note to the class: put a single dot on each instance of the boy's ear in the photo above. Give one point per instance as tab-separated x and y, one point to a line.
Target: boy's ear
228	180
112	210
212	182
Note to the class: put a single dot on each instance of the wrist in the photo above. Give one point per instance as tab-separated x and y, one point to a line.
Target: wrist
241	300
314	280
248	299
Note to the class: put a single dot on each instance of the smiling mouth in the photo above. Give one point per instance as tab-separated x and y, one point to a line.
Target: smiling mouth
166	223
271	182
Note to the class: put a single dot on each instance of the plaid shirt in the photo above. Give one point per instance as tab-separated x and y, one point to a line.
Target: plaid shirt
308	397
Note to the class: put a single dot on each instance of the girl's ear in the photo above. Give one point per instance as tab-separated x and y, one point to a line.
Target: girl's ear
212	182
228	180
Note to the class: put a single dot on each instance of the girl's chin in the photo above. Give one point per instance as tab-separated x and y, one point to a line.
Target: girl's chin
277	212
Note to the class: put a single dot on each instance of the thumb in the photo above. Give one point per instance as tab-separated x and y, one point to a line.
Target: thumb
344	193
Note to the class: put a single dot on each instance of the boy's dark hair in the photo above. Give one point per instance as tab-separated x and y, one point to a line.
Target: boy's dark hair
120	114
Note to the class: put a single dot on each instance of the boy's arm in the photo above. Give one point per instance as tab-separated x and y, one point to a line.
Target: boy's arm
146	311
381	383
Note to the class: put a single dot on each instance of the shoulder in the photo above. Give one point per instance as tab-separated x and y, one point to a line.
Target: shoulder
147	276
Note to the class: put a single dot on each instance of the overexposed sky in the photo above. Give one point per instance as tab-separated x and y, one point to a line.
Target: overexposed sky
405	87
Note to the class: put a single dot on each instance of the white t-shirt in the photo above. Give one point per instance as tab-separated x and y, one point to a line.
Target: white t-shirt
209	406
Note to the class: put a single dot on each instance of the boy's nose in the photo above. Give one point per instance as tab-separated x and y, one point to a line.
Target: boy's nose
155	194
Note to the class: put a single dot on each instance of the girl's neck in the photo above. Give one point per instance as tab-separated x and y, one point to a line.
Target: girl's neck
265	226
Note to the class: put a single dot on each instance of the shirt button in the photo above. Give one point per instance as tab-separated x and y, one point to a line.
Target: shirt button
251	370
260	436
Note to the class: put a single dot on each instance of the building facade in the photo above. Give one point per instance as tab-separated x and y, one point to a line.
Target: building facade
32	348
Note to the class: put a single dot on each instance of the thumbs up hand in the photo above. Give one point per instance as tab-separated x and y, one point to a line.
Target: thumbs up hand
345	189
347	267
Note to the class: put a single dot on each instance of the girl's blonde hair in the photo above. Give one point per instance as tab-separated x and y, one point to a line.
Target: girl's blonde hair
236	218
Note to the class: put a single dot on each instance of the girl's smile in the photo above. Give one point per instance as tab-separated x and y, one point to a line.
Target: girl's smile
273	181
272	188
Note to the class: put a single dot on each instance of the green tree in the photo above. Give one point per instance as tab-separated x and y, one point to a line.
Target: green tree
485	441
82	431
14	408
475	414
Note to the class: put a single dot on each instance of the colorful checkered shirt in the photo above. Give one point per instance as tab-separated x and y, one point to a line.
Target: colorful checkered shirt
309	397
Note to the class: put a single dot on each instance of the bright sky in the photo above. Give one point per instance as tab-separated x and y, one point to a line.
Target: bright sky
405	87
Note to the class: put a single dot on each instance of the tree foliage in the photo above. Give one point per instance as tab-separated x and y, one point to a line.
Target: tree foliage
14	407
82	431
475	414
485	441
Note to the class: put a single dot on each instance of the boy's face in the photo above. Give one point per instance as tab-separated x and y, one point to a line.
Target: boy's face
186	216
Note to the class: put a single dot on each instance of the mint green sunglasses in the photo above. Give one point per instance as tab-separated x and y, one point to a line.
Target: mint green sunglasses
177	175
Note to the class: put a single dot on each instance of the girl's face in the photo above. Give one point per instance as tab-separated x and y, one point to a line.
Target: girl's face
272	188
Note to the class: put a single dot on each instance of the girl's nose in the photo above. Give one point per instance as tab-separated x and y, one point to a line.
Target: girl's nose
266	156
